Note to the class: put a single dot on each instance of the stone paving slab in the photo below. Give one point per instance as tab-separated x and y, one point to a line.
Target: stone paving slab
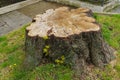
1	22
116	10
93	7
38	8
12	20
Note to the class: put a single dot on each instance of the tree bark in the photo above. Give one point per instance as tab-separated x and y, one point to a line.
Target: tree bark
66	36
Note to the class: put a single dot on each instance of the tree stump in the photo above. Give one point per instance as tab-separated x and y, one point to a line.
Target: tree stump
66	36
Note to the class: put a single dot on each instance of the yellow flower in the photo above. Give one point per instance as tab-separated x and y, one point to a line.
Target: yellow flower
47	46
14	64
45	37
63	57
10	66
61	62
45	50
57	61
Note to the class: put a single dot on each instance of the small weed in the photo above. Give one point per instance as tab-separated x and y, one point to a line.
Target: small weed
60	60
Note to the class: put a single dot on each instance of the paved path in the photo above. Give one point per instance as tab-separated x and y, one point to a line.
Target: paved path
16	19
116	10
12	20
38	8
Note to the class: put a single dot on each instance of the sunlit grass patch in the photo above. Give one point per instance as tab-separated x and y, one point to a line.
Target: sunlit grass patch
110	29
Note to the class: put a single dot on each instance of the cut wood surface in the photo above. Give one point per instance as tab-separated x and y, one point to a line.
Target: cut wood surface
63	22
66	36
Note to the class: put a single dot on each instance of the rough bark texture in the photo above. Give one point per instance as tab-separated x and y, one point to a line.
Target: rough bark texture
65	36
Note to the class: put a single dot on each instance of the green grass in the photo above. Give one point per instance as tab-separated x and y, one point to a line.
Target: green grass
111	33
12	55
111	36
11	58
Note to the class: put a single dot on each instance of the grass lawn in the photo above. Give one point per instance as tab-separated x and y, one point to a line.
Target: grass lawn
12	55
